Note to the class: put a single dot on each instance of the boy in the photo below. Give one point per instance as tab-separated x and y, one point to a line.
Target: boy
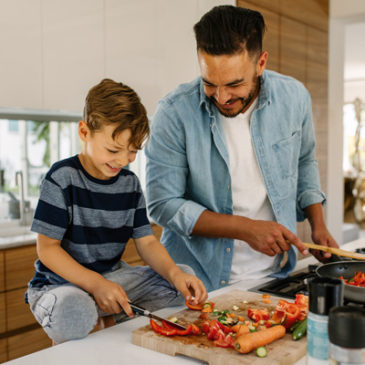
89	207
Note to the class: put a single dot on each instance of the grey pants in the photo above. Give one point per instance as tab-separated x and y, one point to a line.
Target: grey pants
67	312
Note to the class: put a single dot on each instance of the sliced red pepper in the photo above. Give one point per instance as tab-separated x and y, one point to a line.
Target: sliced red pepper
206	327
225	342
212	333
278	317
258	314
301	299
292	314
179	332
161	330
195	307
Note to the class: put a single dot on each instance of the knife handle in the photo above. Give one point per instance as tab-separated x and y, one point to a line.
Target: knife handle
138	309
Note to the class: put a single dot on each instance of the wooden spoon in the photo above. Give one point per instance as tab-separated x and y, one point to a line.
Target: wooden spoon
335	251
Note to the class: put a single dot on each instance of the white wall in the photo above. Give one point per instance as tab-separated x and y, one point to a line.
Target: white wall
53	51
342	13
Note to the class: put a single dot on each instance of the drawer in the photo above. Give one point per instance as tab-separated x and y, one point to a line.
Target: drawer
2	272
3	350
19	314
27	343
19	266
2	313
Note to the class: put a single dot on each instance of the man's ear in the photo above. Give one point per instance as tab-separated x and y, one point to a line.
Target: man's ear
261	63
84	130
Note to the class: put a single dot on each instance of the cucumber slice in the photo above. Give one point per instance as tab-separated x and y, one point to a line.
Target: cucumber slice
261	351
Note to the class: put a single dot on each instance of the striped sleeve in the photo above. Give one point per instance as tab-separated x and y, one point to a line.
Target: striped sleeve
51	217
141	224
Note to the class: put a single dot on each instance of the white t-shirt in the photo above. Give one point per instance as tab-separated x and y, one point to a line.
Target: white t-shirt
249	195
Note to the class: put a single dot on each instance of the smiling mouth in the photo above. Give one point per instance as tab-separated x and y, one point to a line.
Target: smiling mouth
114	168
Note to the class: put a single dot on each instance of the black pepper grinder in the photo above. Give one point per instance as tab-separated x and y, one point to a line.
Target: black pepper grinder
324	293
346	331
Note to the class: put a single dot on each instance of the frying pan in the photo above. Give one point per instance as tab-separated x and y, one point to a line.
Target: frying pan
347	269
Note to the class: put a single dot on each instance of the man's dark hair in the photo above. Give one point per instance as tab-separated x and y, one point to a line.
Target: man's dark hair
227	29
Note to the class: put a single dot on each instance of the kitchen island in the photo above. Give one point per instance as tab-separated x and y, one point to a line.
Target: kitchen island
114	345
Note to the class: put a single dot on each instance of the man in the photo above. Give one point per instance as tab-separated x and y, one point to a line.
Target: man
231	162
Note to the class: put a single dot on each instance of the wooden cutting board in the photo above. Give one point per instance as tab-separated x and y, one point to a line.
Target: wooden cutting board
281	352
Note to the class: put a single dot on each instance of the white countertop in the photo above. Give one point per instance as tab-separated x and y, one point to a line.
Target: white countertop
114	345
14	235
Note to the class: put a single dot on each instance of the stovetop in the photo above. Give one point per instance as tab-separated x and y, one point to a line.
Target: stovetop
297	283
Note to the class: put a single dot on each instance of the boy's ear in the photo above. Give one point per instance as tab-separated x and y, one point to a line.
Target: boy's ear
84	130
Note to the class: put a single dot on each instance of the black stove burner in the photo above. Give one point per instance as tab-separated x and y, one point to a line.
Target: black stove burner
288	287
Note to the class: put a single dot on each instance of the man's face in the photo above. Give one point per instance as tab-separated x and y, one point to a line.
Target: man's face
103	157
231	81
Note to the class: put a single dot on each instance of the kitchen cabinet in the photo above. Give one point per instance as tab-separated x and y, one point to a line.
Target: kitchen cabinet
3	349
20	334
2	272
27	342
2	313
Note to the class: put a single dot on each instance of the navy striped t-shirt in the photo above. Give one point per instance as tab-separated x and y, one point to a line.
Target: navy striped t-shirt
92	218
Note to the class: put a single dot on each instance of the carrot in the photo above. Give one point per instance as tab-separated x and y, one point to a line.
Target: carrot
243	330
253	340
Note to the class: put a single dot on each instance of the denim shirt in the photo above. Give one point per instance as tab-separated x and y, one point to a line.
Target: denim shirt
188	169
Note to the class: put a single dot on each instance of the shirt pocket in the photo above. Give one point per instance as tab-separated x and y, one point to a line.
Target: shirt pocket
286	153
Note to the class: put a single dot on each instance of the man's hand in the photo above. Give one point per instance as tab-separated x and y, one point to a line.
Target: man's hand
324	238
110	297
190	287
272	238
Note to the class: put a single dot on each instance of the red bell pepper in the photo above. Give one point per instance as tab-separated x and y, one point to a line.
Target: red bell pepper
161	330
258	314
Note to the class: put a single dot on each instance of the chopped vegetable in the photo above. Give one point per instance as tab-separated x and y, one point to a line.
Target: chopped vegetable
252	341
357	280
235	308
162	330
173	319
258	314
208	307
261	351
300	330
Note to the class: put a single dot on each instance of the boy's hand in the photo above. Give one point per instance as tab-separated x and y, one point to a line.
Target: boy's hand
190	287
111	297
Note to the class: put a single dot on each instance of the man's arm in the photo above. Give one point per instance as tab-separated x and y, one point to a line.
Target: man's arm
320	234
109	296
267	237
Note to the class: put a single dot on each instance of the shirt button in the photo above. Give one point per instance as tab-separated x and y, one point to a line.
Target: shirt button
223	282
228	249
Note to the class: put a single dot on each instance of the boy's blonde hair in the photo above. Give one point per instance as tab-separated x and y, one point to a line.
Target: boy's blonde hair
111	102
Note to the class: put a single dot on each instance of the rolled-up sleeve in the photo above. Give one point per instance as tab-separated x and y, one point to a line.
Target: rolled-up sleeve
166	173
308	188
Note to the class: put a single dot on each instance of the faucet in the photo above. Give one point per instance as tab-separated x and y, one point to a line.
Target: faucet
19	182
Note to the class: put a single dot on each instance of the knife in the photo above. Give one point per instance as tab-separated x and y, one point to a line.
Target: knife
146	313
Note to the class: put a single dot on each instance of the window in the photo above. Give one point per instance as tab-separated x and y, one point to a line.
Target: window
30	142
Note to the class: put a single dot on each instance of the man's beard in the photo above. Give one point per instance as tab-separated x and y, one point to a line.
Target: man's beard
245	101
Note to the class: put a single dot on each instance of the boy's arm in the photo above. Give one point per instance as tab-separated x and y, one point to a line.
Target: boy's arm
109	296
156	256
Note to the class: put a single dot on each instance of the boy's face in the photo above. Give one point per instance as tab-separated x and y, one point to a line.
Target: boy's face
103	157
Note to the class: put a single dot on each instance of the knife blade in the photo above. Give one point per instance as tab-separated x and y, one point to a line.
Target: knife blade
147	313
